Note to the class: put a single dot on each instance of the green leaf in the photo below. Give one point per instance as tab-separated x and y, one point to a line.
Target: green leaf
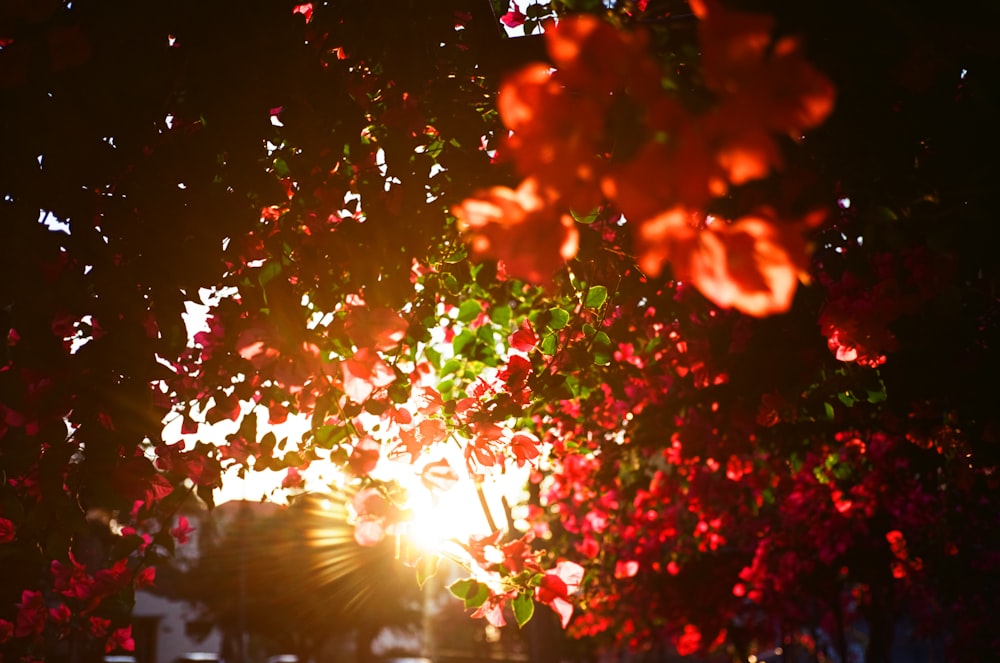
846	398
462	587
468	311
473	593
523	607
427	568
549	344
596	296
327	436
501	315
828	411
602	349
461	342
451	283
458	256
877	395
585	219
559	318
451	367
376	407
271	269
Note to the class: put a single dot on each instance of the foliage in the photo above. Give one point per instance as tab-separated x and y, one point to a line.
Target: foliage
721	278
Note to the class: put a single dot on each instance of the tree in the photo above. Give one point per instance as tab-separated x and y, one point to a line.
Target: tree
419	240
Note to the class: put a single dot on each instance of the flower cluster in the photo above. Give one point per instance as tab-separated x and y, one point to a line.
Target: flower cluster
560	141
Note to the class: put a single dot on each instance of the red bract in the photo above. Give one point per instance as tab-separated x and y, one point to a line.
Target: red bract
364	373
524	339
513	18
753	264
72	580
501	222
556	587
438	476
379	328
525	448
182	531
375	515
364	457
120	639
7	531
31	614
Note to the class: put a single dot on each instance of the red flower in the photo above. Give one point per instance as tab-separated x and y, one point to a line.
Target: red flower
375	515
72	580
438	476
32	614
525	448
752	265
379	328
365	456
690	641
524	339
556	587
492	610
183	530
146	577
364	373
120	639
306	9
98	626
514	17
7	531
520	228
6	631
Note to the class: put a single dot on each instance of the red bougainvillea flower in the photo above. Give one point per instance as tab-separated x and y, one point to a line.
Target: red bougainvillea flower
182	533
364	373
6	630
514	17
438	476
501	223
146	577
365	456
379	328
591	55
71	579
492	610
689	641
31	614
375	515
770	82
524	339
120	639
557	136
306	9
558	119
525	448
557	585
752	265
7	531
